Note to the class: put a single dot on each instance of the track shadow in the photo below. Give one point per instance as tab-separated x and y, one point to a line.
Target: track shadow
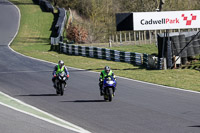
86	101
38	95
195	126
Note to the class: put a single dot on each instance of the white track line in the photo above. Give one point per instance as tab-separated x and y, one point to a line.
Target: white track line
70	127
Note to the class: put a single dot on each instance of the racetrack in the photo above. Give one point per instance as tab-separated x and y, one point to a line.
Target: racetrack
137	107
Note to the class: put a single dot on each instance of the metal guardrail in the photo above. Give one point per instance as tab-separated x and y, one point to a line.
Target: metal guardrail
60	27
45	5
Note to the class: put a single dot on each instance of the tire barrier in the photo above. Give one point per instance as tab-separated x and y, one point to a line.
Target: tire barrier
190	50
183	44
107	54
145	60
169	55
196	45
179	41
176	45
160	64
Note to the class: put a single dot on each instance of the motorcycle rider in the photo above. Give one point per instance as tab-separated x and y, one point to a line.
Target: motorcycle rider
106	72
60	67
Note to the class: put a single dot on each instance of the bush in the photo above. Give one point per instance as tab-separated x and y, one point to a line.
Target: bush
77	34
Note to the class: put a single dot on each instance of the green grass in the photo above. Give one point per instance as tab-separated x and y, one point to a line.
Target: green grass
35	25
33	40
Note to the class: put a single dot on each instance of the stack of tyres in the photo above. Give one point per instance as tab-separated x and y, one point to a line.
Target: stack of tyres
103	50
112	55
95	52
80	50
122	56
99	53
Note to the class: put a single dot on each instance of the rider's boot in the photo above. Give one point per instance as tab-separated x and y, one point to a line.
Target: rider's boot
65	85
54	85
101	92
53	81
101	88
114	91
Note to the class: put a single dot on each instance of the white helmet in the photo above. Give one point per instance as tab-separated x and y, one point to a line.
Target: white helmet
107	69
60	63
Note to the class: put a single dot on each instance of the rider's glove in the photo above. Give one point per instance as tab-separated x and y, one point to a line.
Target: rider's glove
67	76
54	75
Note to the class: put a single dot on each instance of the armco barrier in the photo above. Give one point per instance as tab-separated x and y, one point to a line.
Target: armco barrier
45	5
60	25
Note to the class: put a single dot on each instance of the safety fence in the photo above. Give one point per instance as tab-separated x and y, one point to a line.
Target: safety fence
59	26
108	54
45	5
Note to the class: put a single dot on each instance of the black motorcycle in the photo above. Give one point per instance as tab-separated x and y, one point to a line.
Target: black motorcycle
61	83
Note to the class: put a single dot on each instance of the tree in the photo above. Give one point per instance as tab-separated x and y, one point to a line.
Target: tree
99	15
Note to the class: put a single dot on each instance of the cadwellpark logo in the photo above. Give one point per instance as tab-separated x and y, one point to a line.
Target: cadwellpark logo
189	22
169	21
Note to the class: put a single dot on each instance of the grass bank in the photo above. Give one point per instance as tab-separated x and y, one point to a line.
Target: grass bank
34	37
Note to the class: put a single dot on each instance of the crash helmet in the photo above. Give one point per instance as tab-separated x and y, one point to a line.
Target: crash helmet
107	69
61	63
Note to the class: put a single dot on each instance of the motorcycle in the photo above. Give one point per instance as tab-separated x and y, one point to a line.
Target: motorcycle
109	85
61	83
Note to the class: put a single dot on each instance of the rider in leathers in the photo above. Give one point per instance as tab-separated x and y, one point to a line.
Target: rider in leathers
60	67
103	74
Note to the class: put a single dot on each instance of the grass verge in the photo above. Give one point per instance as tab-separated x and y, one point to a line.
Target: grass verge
33	40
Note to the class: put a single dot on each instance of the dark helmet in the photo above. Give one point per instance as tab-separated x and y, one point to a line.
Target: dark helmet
60	63
107	69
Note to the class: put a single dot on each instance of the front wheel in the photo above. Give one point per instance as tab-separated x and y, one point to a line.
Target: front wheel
62	89
58	89
110	94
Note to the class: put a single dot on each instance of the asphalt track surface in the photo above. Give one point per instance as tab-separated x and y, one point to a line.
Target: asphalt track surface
137	107
16	122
